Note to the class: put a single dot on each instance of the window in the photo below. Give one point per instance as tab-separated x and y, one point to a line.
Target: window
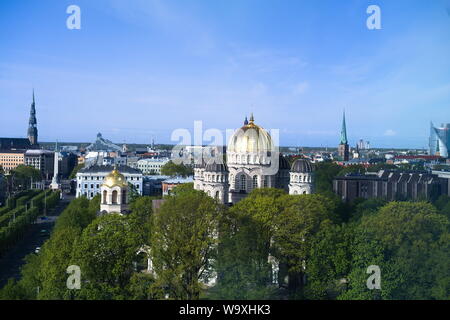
255	182
243	183
104	196
114	197
265	182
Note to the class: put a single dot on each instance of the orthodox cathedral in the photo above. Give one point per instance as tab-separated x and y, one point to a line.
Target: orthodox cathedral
252	161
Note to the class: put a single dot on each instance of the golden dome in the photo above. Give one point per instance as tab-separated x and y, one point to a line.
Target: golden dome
115	178
251	138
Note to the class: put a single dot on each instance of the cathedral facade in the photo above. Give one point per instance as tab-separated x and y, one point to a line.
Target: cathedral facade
252	161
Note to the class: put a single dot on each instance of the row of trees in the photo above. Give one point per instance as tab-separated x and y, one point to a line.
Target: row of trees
21	212
269	245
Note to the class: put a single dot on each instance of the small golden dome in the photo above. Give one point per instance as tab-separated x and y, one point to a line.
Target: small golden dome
115	178
251	138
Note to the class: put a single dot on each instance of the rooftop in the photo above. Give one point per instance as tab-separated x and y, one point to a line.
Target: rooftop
179	180
108	168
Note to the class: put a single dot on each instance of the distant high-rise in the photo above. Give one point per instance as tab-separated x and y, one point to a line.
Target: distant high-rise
32	125
343	150
439	140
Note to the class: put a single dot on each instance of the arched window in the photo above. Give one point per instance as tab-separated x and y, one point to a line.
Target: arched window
217	195
114	197
255	182
243	183
104	196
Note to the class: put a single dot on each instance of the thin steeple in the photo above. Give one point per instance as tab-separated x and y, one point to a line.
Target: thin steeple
32	124
344	131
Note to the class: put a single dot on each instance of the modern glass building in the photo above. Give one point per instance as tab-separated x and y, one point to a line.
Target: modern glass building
440	140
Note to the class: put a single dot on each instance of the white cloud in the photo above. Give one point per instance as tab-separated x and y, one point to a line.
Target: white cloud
301	88
390	133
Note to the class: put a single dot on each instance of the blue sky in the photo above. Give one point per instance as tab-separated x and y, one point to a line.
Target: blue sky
139	69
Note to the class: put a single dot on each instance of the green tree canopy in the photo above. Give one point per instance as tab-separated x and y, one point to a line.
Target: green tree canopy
356	168
75	170
382	166
183	241
245	244
296	227
172	169
324	175
23	175
409	242
105	253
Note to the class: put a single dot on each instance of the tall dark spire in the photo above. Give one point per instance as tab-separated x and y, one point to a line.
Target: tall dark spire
245	121
32	124
344	131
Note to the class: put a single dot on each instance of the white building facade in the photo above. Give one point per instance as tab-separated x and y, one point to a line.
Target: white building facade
90	179
151	165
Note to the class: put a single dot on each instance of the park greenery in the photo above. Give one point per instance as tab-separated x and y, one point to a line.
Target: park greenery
22	210
172	169
201	249
21	178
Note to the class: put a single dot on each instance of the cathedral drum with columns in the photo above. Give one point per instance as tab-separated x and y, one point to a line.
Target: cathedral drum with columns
114	193
252	162
301	177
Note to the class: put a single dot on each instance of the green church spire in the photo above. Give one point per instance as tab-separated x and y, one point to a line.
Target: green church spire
344	131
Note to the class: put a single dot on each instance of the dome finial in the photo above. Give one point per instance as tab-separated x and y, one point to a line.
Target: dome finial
252	119
245	121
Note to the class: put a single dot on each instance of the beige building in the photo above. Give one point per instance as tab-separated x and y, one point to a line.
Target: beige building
10	159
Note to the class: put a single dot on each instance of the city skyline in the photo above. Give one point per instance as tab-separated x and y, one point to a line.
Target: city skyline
136	71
